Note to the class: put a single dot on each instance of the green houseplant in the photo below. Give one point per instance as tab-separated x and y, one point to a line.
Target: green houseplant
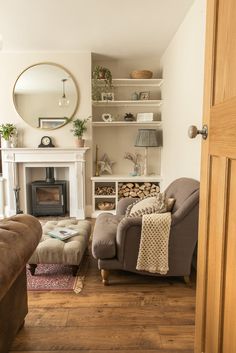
6	132
79	128
98	74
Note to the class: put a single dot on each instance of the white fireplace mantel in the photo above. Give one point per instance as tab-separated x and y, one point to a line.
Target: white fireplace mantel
71	158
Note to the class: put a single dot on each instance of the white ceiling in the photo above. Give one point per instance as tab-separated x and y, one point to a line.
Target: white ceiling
116	28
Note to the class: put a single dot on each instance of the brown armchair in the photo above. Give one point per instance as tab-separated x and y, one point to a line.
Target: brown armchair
116	238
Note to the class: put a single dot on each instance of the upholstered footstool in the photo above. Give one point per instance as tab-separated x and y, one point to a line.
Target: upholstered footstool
54	251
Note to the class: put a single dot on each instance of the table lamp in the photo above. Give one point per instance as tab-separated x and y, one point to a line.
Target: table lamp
146	138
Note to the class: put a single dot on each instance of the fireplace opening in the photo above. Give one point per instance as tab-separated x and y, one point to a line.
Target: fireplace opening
49	196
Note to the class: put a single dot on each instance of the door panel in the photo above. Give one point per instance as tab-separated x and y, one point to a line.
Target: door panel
223	129
216	238
216	279
229	305
225	55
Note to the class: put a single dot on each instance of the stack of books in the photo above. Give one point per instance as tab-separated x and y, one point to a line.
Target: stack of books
62	233
144	117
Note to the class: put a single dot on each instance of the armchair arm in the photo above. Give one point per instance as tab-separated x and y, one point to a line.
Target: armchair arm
128	227
104	236
123	204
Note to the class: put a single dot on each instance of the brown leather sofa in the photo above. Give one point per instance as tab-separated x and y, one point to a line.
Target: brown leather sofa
19	236
116	238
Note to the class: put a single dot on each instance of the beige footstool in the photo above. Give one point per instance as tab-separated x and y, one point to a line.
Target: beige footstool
55	251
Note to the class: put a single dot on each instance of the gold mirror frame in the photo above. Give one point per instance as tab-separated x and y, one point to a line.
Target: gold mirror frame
76	87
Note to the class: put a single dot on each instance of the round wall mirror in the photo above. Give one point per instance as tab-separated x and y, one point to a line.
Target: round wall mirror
46	96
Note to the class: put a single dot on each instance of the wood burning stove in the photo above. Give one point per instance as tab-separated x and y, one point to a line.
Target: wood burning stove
49	196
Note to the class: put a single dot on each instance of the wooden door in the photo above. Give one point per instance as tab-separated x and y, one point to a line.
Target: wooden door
216	282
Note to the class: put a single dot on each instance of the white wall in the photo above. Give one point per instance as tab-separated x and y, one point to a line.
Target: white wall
79	64
182	93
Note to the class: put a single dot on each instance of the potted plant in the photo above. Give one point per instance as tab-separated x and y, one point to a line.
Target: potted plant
6	132
79	127
98	74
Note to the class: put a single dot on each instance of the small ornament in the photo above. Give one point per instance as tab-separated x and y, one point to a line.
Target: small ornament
46	141
129	117
135	96
105	164
107	117
96	162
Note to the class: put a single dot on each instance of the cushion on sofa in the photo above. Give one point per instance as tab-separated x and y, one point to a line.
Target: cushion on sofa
150	204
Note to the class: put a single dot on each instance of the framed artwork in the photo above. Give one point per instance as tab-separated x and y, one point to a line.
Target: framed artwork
144	96
107	96
51	123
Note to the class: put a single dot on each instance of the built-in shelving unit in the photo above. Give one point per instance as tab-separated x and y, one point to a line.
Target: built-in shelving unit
155	124
115	181
130	82
115	142
125	103
128	178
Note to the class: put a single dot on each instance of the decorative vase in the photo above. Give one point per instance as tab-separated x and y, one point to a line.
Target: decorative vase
79	142
135	96
6	143
14	139
137	170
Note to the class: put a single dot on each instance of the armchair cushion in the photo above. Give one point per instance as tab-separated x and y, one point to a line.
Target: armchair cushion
104	236
157	203
149	204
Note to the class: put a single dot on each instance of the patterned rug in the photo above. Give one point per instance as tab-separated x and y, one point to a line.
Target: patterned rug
57	278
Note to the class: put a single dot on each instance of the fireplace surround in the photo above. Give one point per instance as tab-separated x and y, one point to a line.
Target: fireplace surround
17	163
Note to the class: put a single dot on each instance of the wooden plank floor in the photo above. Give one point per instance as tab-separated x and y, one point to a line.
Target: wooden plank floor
133	314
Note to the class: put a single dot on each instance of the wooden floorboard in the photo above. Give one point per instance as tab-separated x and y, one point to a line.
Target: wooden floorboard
134	314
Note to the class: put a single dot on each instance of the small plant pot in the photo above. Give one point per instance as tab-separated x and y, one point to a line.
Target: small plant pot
6	143
79	142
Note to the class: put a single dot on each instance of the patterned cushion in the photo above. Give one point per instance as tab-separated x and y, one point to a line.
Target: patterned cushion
147	205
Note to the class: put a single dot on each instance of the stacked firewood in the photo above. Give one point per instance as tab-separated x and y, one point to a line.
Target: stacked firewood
105	190
137	189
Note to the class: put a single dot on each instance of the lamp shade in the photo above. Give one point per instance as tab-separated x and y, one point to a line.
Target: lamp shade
147	138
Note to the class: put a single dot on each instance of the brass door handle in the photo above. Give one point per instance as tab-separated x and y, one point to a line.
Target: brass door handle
193	132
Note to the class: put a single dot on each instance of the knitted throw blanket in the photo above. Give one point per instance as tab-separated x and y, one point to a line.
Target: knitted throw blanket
153	248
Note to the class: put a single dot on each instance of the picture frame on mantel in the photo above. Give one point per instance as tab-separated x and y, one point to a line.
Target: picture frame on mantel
51	123
107	96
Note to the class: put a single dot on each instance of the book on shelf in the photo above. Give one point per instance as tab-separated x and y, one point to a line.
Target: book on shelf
144	117
62	233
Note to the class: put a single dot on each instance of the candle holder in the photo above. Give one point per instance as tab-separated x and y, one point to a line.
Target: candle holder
17	200
96	163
